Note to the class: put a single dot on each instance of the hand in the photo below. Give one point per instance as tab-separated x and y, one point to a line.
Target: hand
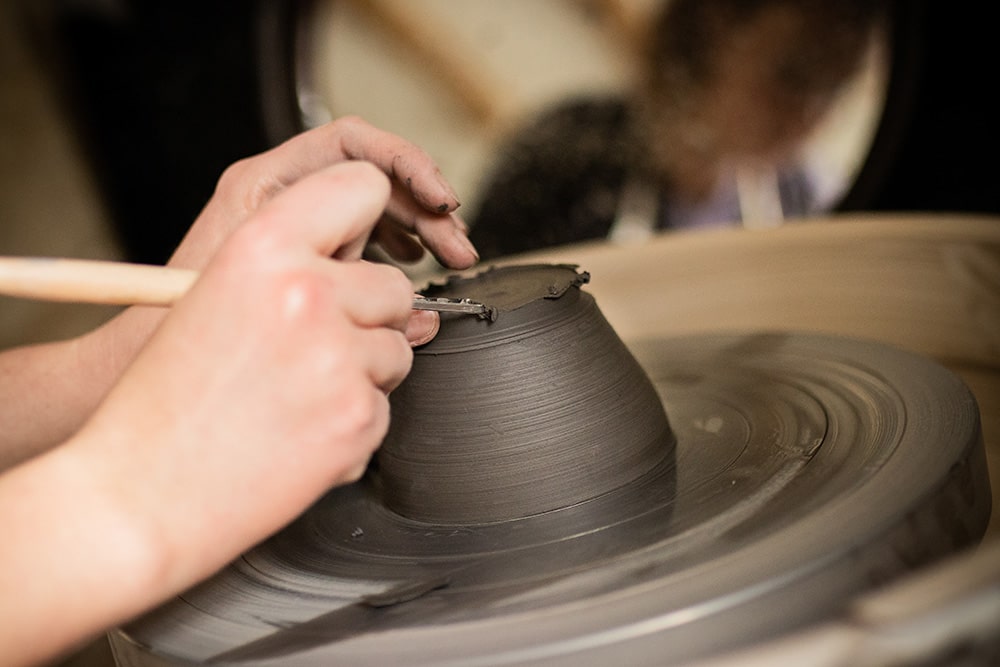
422	202
51	390
267	383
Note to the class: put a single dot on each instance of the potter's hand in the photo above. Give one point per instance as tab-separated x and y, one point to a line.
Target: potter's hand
265	385
49	410
422	202
50	390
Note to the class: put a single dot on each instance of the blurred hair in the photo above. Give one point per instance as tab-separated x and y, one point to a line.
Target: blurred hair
822	43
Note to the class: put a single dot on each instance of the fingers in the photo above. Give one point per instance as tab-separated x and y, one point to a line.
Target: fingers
422	202
270	376
444	235
371	294
332	211
355	316
401	160
351	138
388	302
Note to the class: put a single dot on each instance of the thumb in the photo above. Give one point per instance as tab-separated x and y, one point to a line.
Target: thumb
332	211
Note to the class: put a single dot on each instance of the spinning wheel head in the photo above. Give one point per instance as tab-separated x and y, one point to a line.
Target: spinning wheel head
531	481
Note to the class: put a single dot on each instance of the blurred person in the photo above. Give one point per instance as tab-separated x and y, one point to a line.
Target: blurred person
728	89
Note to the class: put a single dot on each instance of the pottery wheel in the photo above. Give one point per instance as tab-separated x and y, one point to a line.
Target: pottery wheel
802	470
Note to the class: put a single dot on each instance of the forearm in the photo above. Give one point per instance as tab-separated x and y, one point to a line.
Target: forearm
42	393
48	390
75	560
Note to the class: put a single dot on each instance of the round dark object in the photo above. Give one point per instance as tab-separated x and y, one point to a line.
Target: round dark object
803	469
536	410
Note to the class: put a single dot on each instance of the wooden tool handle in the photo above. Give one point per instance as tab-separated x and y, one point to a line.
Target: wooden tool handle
91	281
125	284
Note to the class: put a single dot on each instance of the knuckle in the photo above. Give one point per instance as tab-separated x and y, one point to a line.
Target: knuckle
254	243
401	355
363	413
405	358
352	133
404	367
352	123
390	282
299	296
249	183
352	473
399	284
234	174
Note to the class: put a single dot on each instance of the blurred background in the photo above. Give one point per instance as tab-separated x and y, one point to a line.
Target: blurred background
149	101
118	116
49	200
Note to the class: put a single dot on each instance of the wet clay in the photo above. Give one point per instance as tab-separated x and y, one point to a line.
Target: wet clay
538	410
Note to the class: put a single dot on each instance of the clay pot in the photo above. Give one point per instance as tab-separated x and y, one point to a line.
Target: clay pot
536	410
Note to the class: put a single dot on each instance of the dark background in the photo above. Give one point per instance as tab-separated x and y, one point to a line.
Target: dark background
166	94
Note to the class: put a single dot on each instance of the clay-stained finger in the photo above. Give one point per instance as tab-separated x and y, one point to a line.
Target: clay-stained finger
406	163
351	138
446	236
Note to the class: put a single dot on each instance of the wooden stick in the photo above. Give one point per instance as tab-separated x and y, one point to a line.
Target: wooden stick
125	284
92	281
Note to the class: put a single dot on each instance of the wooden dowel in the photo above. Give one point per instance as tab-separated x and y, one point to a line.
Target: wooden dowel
125	284
93	281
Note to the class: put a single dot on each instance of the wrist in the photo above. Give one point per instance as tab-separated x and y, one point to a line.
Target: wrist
96	564
130	551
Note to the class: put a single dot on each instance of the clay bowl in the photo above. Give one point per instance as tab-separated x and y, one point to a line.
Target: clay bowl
537	409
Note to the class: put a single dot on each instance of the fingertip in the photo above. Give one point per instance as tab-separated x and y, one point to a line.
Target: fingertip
435	195
450	205
435	203
422	326
456	252
467	249
450	201
460	224
441	204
